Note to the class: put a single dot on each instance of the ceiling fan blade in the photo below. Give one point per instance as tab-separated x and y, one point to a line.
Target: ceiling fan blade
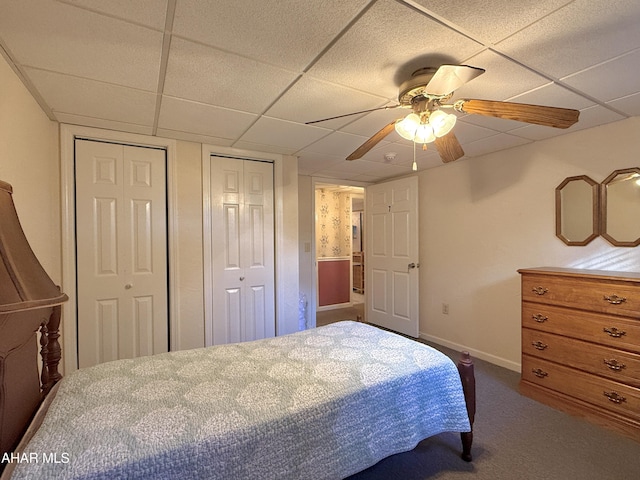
373	141
387	107
449	78
522	112
449	148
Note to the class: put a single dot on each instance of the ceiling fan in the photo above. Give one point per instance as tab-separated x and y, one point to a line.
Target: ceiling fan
427	92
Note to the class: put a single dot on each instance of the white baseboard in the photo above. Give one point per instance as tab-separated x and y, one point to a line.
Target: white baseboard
501	362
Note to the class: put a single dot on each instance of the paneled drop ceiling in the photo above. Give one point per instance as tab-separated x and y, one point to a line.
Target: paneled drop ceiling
249	73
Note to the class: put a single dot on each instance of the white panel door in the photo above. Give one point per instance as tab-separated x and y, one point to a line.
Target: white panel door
121	251
242	250
391	255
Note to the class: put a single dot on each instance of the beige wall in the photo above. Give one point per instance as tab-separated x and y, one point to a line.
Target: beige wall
287	242
188	250
306	257
483	218
29	161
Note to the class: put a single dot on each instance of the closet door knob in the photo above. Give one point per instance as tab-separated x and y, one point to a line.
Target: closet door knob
128	286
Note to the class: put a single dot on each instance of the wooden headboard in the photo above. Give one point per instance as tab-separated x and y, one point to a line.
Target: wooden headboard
30	302
22	386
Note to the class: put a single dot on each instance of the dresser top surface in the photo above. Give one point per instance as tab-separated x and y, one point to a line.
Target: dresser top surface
582	272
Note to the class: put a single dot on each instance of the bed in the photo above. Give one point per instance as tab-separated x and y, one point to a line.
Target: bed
323	403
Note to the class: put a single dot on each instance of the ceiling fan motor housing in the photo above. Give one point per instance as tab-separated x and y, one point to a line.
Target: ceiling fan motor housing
415	86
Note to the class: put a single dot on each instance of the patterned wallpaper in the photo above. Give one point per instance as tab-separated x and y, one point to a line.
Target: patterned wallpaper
333	223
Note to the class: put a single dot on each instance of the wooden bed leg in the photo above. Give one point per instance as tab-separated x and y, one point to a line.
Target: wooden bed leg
467	376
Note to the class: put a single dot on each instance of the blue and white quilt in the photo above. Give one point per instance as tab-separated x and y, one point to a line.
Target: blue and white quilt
318	404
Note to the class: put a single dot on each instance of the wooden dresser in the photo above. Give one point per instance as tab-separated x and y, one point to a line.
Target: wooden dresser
581	344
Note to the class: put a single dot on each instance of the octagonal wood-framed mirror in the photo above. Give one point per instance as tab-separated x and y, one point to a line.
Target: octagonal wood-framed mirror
577	210
620	207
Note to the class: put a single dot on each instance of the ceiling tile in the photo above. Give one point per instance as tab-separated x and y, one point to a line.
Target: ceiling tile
609	80
349	166
337	143
201	119
246	74
502	79
467	132
540	132
371	123
498	142
403	151
492	20
388	43
387	169
577	36
553	95
310	163
89	98
324	100
200	73
285	33
281	133
629	105
151	13
194	137
491	125
100	48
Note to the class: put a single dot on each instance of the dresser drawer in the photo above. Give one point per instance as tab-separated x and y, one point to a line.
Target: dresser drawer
622	333
613	297
607	394
624	367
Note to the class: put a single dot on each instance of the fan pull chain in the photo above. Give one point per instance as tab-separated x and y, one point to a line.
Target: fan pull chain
414	167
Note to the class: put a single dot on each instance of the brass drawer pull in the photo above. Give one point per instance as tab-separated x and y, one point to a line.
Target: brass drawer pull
614	299
538	317
539	372
614	397
614	332
539	290
539	345
614	364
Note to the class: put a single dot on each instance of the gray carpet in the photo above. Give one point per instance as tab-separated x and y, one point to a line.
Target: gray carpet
515	438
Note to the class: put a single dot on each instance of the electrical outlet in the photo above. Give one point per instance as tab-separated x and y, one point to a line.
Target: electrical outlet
445	308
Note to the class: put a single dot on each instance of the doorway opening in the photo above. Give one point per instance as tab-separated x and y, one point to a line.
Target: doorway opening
339	253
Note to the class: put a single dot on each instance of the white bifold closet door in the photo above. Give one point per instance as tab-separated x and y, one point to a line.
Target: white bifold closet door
121	232
242	300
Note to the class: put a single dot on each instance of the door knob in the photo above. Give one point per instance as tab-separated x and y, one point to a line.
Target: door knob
241	278
412	265
128	286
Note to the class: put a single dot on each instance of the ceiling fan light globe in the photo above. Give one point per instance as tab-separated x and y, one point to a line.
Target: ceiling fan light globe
407	127
424	134
442	122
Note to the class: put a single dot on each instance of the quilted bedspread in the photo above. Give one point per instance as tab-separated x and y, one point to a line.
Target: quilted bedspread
318	404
